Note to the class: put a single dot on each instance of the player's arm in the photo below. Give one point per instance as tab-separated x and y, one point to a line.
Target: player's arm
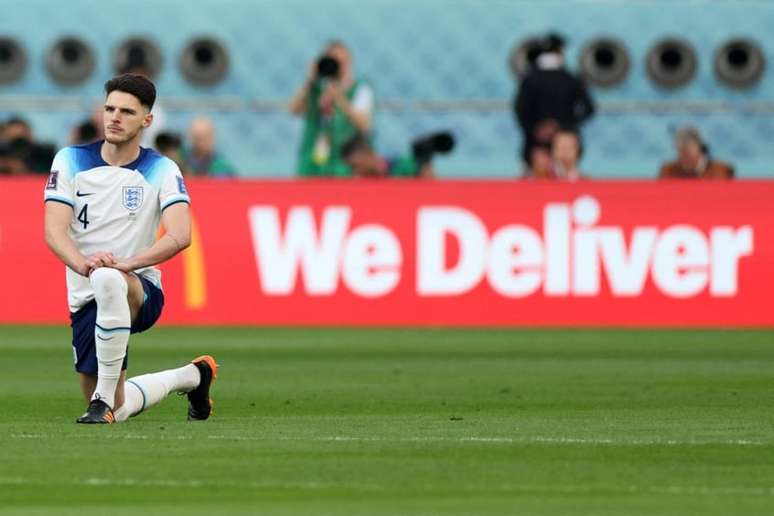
57	224
58	215
176	221
57	227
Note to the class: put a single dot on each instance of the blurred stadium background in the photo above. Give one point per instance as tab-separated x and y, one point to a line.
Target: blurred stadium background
433	64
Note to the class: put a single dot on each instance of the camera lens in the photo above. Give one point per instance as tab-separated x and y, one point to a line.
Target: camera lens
328	68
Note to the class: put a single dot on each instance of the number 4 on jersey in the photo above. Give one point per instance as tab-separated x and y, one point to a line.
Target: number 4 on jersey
83	216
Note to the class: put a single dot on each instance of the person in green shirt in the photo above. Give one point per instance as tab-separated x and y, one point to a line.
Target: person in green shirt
335	107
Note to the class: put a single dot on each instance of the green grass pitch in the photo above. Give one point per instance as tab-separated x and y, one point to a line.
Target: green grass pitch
373	422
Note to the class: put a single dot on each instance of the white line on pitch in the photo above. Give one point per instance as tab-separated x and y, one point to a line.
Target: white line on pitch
429	439
133	482
503	440
506	488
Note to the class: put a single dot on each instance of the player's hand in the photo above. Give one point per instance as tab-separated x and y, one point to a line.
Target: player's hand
99	259
83	269
122	265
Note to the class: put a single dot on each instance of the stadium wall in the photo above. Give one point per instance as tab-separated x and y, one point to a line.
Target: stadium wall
434	64
439	254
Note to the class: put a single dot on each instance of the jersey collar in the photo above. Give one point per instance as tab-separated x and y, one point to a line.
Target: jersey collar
134	165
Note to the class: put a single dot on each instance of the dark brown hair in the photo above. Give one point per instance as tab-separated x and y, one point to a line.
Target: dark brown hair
357	143
133	84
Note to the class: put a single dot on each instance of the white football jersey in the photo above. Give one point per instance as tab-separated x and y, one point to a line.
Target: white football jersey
115	209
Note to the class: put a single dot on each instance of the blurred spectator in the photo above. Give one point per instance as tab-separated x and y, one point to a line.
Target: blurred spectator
335	107
540	163
202	159
19	152
170	145
84	133
360	155
549	97
693	159
16	128
364	161
10	163
566	151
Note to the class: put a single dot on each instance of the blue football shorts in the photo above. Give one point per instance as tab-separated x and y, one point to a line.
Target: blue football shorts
83	323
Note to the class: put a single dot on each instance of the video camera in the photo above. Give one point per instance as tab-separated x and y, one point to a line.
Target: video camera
427	146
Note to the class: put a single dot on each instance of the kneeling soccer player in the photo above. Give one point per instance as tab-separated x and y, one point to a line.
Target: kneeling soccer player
104	203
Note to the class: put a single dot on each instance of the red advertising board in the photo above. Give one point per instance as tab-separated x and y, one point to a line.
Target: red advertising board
451	253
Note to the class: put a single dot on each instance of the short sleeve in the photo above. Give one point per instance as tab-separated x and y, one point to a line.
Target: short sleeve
173	188
59	184
363	100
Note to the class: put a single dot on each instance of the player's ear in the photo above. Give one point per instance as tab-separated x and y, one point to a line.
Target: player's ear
148	120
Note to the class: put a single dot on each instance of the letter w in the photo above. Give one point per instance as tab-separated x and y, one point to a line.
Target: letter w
279	256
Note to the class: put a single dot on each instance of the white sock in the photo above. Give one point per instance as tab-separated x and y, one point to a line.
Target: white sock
145	391
111	335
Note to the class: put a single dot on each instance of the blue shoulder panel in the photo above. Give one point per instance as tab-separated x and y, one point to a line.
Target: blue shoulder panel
85	157
153	166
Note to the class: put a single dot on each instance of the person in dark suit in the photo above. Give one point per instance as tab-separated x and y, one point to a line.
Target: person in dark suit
550	97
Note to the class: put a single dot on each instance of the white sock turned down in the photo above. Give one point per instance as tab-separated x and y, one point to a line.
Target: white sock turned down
111	334
144	391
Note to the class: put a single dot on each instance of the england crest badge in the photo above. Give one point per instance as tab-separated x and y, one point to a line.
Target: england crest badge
132	197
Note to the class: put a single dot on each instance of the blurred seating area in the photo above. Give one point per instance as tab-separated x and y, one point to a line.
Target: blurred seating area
653	67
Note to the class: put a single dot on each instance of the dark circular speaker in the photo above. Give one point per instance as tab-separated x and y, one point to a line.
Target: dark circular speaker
204	61
739	63
138	54
604	62
523	56
70	61
13	60
671	63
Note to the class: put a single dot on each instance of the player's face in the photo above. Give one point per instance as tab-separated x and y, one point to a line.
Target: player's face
124	117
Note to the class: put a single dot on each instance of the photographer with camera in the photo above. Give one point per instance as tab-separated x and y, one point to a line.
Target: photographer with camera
335	107
366	162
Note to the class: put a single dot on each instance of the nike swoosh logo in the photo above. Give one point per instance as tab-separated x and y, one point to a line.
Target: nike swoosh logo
82	194
105	338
